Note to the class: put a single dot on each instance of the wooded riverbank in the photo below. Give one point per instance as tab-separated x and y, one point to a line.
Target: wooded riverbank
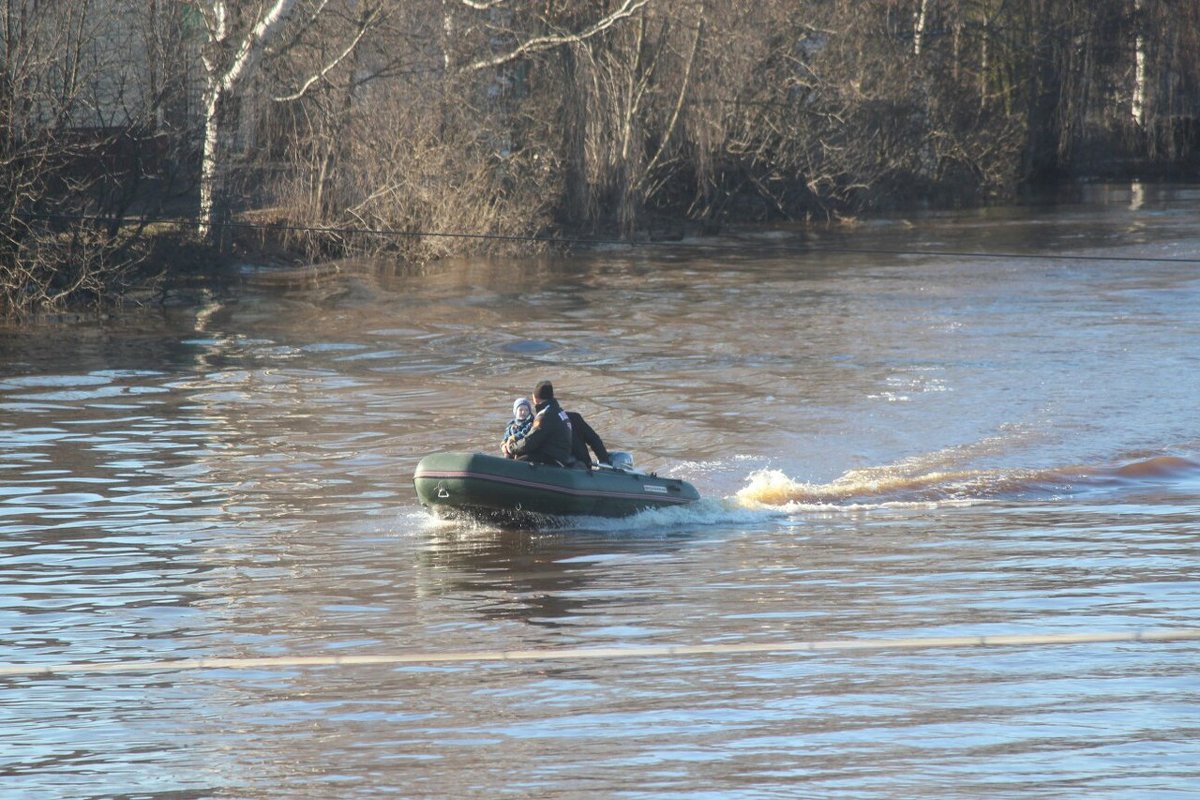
425	129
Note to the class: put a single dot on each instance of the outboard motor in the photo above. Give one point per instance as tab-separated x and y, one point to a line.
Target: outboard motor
621	461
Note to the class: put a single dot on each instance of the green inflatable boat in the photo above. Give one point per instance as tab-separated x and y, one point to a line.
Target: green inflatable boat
512	492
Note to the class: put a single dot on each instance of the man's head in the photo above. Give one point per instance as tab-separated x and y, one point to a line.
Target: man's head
542	392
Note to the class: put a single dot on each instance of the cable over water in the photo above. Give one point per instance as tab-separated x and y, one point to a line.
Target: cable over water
613	653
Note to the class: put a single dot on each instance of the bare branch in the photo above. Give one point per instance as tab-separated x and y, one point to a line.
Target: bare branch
684	86
542	43
364	27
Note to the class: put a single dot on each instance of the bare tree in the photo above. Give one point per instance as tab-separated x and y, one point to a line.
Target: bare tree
1167	72
423	131
68	107
1137	105
237	36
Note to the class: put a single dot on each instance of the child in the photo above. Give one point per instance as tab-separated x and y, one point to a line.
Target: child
521	422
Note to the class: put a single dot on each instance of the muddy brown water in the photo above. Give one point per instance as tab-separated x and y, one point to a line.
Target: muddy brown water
890	444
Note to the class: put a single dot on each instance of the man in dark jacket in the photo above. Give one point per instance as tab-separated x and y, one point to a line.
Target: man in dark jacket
583	437
549	440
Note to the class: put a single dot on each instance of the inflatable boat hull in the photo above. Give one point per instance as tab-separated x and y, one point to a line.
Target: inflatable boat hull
517	492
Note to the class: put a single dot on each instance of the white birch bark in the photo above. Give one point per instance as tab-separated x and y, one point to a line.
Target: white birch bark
919	17
1138	104
541	43
220	80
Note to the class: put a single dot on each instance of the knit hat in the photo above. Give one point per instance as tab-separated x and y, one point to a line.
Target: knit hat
522	401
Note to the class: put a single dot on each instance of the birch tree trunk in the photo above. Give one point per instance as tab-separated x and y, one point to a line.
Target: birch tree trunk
226	63
209	161
920	16
1138	104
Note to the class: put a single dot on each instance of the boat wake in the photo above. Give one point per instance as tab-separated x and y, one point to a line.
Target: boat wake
910	484
925	482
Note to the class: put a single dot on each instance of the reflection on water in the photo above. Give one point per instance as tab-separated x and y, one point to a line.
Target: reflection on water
888	445
541	579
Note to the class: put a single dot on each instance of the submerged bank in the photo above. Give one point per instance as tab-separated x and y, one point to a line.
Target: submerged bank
164	264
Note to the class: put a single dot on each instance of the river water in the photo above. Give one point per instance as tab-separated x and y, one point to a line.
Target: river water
945	426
